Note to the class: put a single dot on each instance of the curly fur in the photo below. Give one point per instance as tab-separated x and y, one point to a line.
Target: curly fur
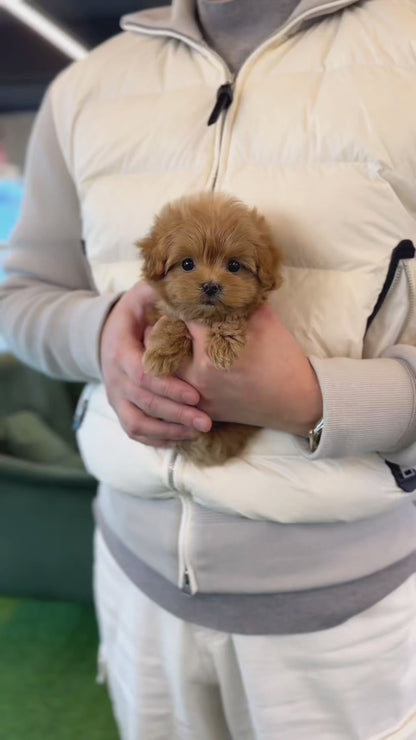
215	231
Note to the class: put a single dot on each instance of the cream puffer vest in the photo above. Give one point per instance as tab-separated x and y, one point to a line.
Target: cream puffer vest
321	137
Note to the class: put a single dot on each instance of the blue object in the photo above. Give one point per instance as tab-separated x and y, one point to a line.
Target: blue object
11	193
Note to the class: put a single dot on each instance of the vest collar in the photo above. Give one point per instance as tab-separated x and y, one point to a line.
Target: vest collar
178	19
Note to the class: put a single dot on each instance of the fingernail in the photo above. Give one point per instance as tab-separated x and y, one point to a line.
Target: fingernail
202	425
190	398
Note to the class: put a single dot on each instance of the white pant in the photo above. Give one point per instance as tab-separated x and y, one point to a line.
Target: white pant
172	680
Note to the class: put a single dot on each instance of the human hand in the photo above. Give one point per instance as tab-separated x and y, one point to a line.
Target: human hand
154	411
271	385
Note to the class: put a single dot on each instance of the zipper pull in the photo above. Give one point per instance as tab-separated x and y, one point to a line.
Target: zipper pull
224	100
186	583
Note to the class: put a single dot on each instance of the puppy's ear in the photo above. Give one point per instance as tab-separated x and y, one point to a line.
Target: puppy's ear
268	255
268	270
154	253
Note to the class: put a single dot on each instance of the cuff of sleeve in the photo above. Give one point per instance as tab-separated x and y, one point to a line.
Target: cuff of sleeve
368	406
87	321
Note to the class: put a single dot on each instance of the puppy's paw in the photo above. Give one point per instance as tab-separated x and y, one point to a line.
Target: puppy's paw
157	363
224	351
169	344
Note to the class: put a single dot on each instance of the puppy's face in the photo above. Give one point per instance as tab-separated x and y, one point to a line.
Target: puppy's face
210	256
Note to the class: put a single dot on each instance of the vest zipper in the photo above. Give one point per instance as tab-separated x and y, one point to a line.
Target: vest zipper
171	469
187	581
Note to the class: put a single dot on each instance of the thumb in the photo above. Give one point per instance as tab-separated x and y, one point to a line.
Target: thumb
198	331
141	297
147	332
199	334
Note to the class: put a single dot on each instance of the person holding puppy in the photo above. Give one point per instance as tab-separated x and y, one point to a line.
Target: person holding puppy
274	595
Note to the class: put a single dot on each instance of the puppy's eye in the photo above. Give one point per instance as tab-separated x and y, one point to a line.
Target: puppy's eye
233	266
188	264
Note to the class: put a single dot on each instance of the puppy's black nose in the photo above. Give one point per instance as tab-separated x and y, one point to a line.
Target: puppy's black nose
210	288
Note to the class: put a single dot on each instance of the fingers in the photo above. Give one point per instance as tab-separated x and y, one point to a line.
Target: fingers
162	407
152	410
150	431
172	388
167	386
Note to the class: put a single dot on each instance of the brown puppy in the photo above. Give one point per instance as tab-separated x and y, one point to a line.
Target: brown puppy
211	259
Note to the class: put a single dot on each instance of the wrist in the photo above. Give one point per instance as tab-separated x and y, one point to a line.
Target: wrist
103	328
309	407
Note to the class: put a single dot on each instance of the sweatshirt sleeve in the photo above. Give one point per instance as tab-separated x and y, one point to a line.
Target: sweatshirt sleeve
369	406
50	314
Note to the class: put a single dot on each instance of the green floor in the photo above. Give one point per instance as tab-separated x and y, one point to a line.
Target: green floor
47	673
